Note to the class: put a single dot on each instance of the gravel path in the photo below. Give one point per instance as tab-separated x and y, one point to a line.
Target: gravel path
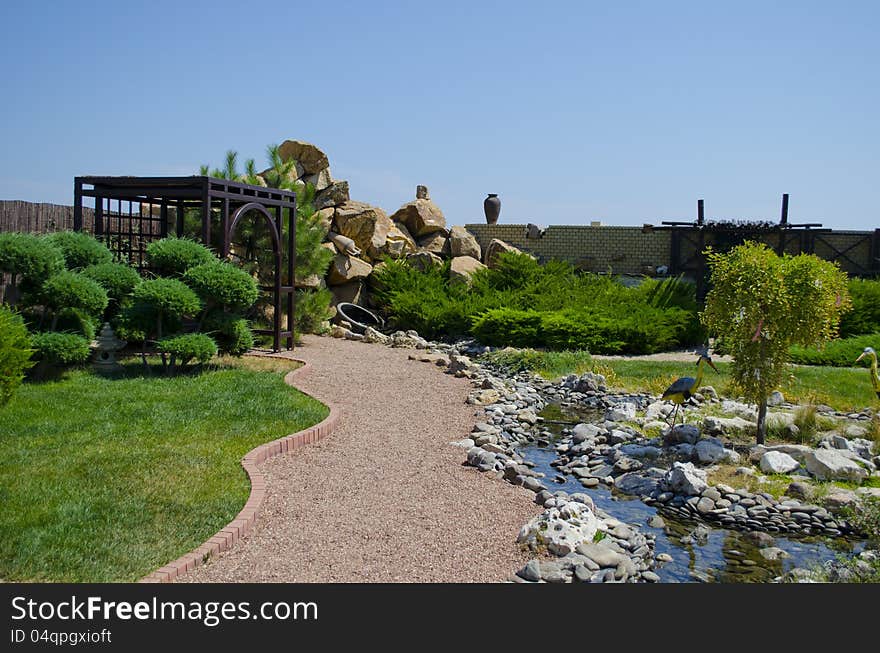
384	498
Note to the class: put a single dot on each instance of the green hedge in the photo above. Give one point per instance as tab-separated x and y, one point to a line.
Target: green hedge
15	352
837	353
60	348
864	317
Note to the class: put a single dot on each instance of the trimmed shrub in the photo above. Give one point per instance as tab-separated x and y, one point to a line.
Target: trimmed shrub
75	320
118	279
73	290
15	353
80	250
174	256
136	322
222	284
167	297
231	332
56	348
837	353
509	327
186	348
28	256
865	314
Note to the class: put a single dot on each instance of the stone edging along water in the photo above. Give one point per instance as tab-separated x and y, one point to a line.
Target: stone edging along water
247	517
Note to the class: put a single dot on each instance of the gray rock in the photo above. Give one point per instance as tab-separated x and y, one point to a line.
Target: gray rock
777	462
682	433
622	412
601	555
686	479
650	576
656	522
773	553
709	451
775	399
531	572
832	465
584	431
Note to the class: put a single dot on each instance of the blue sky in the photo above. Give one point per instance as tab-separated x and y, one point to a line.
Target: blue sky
625	112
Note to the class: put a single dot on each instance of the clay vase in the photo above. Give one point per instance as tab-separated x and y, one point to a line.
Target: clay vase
492	208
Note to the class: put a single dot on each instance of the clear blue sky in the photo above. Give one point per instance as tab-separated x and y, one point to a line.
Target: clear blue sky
625	112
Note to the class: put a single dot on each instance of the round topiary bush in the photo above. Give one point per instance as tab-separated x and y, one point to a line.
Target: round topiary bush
174	256
186	348
76	320
15	353
232	333
80	250
56	348
168	299
26	256
222	284
118	279
73	290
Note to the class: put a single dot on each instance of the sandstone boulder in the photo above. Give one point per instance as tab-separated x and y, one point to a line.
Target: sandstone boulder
366	225
436	243
336	194
399	242
462	267
495	248
462	243
421	260
325	218
421	217
320	180
312	159
344	269
312	282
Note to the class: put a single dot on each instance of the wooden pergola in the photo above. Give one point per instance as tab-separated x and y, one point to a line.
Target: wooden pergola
131	212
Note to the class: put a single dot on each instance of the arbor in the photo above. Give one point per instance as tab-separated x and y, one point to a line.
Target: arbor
760	304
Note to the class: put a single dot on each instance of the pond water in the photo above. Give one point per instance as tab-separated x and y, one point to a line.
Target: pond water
700	551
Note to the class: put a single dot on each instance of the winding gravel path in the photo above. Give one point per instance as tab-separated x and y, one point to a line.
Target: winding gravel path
384	498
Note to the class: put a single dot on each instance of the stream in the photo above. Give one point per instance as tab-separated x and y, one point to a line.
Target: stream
700	551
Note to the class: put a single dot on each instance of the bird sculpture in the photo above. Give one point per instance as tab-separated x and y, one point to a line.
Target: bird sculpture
875	375
683	389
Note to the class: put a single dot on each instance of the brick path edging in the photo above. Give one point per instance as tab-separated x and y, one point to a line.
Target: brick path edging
246	519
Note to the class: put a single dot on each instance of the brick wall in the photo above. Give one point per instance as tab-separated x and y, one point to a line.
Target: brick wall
626	250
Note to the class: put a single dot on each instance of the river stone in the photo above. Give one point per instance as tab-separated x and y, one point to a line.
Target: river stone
683	434
601	555
531	572
686	479
773	553
622	412
777	462
635	484
831	465
775	399
704	505
709	451
584	431
582	573
727	425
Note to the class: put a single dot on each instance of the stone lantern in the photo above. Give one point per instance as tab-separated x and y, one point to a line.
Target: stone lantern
107	344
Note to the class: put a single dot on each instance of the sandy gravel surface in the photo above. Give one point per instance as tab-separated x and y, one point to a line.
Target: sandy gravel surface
384	498
685	355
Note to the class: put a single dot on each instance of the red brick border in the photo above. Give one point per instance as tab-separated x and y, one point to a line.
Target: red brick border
245	519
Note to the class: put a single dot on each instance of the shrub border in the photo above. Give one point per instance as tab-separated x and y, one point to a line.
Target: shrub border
247	517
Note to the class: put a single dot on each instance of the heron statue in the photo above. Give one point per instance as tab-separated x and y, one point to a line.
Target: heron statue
875	375
683	388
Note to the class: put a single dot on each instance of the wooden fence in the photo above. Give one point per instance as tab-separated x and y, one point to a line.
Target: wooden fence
16	215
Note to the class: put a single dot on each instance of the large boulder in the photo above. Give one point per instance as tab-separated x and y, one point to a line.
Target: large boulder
462	267
423	260
561	529
421	217
366	225
686	479
436	243
344	269
727	425
463	243
776	462
336	194
636	484
709	451
399	242
307	155
320	180
495	247
831	465
682	434
325	218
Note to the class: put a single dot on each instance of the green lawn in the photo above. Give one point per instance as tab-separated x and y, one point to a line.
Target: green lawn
107	479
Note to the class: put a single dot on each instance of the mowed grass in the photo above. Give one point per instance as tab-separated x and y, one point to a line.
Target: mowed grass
842	388
107	479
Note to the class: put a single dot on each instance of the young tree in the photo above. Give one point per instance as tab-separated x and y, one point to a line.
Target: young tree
760	304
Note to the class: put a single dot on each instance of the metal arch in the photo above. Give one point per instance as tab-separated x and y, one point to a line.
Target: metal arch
247	208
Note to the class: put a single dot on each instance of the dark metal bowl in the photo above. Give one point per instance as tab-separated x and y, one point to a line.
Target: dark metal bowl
359	317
